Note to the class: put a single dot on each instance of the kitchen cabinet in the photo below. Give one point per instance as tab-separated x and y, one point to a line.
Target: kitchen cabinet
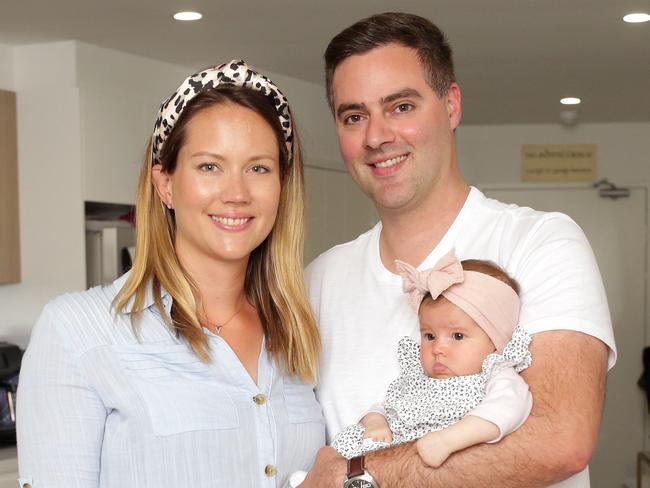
9	225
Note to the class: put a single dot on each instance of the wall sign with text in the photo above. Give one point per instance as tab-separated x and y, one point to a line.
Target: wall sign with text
558	162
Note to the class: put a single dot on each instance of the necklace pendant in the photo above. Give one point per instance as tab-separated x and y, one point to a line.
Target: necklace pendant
219	327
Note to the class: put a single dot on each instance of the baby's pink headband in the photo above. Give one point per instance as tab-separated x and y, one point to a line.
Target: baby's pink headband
492	304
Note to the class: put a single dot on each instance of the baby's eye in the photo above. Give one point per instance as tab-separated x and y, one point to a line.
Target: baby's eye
458	336
428	336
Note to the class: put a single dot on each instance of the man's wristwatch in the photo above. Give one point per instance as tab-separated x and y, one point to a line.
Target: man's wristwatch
358	477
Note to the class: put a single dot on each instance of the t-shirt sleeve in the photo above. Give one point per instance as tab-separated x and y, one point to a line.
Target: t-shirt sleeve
507	402
561	286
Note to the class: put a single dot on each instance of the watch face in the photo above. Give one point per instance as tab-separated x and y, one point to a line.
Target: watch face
360	484
360	481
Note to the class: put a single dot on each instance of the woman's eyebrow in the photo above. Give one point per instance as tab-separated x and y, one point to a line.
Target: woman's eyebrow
208	154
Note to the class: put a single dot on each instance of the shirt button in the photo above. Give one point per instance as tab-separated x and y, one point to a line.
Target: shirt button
260	399
270	470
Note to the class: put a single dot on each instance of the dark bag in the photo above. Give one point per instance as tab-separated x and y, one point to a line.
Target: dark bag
10	357
644	380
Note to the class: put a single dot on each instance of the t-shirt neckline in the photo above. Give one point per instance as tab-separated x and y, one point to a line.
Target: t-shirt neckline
445	244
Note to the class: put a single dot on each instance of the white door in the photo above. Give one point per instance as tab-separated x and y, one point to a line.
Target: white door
617	232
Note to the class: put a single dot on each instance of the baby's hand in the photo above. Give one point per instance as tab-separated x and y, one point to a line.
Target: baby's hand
376	428
433	449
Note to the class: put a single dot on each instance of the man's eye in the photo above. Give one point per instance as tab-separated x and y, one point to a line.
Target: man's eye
352	119
404	107
458	336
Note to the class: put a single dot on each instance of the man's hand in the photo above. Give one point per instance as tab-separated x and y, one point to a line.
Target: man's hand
376	428
328	470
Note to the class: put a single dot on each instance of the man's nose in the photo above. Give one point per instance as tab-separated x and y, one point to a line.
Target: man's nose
378	132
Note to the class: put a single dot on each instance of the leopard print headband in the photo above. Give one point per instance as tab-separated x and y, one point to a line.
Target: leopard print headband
237	73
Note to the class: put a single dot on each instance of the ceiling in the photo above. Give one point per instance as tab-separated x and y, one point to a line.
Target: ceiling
514	58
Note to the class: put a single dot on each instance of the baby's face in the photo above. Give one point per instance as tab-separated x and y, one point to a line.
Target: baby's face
451	343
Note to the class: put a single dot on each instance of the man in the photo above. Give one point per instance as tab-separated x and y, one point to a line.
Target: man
392	90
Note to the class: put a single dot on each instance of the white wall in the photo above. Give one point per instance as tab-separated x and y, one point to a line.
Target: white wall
492	154
119	97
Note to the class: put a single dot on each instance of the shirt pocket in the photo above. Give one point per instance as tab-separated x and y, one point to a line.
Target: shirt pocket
300	401
180	393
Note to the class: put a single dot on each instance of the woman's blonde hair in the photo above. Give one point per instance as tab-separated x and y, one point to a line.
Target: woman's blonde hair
274	281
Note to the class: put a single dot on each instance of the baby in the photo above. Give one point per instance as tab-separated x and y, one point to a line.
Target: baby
460	386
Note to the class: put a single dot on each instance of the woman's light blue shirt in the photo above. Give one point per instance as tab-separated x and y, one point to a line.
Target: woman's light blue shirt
100	407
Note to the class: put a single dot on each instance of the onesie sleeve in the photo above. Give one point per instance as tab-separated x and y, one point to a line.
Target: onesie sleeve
60	417
507	402
374	408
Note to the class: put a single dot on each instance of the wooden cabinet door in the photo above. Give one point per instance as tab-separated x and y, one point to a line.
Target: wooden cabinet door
9	226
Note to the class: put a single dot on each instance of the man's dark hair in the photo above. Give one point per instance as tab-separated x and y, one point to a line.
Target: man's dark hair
408	30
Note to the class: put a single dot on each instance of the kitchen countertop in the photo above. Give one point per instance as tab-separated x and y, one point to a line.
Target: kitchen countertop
8	459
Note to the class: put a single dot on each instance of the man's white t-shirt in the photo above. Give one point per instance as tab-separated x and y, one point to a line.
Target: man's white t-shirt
362	311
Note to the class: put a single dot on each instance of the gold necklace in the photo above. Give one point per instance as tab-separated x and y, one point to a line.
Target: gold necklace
217	328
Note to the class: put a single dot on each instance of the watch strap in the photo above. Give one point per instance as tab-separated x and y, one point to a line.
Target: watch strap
356	466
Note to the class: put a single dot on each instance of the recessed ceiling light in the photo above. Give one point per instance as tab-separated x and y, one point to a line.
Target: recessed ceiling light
570	101
187	16
636	18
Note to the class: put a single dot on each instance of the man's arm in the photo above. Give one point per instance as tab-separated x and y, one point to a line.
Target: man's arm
567	381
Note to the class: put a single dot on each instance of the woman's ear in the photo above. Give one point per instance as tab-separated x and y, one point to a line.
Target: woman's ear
163	184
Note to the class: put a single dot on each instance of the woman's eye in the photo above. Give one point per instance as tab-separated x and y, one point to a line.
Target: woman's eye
458	336
258	168
404	107
208	167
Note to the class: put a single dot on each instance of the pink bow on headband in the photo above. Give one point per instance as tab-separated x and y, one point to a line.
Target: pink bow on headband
490	302
447	272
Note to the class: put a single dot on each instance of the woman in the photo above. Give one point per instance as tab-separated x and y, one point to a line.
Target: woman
195	368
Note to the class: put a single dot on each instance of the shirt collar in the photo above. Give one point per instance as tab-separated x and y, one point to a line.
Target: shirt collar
148	297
